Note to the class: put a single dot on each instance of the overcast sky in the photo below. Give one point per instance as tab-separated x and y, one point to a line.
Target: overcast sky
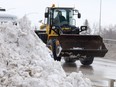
89	9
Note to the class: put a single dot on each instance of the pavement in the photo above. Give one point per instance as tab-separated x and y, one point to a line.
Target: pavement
103	70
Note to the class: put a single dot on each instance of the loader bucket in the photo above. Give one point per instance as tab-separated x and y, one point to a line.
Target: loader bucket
89	45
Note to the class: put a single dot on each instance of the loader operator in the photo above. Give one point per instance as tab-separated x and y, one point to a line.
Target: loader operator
59	18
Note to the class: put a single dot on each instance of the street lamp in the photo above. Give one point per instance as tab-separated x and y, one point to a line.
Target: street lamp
100	17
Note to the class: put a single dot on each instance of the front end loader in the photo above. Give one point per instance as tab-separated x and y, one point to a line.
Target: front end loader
63	38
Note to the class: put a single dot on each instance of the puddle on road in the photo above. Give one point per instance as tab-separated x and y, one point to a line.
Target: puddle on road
98	69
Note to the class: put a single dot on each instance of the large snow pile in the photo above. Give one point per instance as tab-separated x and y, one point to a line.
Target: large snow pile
25	61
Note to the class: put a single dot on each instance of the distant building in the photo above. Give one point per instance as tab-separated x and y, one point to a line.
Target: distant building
5	17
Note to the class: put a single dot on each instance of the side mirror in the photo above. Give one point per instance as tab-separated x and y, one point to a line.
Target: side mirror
83	28
46	15
79	15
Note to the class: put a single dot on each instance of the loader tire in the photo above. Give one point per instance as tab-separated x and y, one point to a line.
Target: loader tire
69	60
54	48
87	60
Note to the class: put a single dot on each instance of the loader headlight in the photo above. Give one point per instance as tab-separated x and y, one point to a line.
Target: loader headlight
53	27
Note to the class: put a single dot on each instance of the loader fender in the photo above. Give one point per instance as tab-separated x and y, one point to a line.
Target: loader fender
42	35
55	48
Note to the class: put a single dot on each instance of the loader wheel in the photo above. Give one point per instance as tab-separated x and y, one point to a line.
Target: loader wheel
55	49
87	60
69	60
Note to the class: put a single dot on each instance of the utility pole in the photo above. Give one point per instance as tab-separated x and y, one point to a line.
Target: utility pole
100	17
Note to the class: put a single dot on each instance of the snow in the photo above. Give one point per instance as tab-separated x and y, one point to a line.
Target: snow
4	17
25	61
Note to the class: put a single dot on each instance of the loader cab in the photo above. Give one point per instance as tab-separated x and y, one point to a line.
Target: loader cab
60	16
61	19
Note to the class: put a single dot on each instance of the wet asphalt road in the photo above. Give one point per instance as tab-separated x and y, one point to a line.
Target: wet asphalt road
101	71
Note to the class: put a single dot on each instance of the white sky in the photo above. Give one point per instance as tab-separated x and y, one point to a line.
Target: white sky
89	9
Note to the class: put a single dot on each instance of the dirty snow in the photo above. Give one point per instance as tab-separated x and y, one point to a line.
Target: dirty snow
25	61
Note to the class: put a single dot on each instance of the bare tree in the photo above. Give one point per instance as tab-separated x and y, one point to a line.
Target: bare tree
109	32
95	28
88	31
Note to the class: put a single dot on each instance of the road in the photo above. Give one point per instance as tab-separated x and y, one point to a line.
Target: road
102	70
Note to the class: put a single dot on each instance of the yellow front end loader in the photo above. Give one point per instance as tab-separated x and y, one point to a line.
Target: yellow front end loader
61	35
